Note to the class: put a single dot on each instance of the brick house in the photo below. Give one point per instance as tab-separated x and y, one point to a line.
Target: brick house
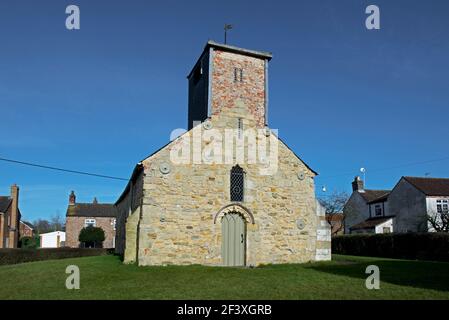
26	229
9	219
231	211
80	215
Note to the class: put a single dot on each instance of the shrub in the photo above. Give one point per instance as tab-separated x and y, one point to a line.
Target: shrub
14	256
91	237
415	246
28	242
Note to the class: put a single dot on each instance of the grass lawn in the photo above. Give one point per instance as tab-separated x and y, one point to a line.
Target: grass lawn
344	278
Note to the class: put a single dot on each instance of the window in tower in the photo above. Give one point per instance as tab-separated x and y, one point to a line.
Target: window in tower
240	128
238	75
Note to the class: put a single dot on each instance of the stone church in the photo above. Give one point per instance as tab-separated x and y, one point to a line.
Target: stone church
193	203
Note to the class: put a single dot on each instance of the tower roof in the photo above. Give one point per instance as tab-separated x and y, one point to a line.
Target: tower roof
225	47
247	52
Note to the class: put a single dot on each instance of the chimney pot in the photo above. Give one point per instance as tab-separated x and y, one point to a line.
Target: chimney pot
358	184
72	198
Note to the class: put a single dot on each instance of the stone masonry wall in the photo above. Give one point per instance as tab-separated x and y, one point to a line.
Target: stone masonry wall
177	225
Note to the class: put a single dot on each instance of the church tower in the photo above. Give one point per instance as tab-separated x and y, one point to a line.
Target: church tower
227	78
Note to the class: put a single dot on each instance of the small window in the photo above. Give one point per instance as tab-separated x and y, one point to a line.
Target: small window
114	224
90	223
240	128
237	183
443	206
238	75
386	230
378	210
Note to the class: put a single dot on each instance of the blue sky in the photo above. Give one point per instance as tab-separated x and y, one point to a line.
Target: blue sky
102	98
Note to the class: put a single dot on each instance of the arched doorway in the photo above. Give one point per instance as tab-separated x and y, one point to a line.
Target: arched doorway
233	239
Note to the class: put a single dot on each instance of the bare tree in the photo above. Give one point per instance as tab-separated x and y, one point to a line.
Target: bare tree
334	204
42	226
57	223
439	221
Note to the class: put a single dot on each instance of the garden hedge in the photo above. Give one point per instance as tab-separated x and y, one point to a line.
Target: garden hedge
414	246
14	256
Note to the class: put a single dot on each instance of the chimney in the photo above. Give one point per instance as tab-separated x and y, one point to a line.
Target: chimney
14	218
95	201
72	198
357	184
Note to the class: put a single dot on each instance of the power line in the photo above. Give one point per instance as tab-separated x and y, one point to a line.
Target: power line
61	169
124	179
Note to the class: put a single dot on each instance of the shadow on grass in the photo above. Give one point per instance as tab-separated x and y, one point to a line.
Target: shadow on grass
417	274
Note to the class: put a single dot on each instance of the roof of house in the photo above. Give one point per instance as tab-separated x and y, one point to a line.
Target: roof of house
27	224
4	203
371	223
92	210
374	195
430	186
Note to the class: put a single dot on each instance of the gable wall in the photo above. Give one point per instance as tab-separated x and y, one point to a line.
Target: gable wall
355	211
408	204
177	224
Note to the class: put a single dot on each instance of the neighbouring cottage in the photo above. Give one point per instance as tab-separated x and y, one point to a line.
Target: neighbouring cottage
10	219
405	208
80	215
26	229
365	210
216	207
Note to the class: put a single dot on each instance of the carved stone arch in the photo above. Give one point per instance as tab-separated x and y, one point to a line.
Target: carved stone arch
235	208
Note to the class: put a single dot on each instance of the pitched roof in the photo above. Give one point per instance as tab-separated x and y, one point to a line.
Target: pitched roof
370	223
92	210
430	186
373	195
382	198
4	203
27	224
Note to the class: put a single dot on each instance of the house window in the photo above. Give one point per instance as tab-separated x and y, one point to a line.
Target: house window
238	75
90	223
386	230
443	206
237	183
378	210
114	223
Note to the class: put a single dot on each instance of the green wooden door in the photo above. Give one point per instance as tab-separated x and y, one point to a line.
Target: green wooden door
233	240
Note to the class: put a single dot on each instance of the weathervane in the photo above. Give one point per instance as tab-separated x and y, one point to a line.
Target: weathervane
226	28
